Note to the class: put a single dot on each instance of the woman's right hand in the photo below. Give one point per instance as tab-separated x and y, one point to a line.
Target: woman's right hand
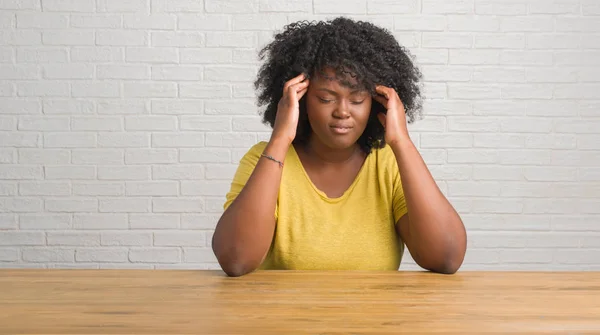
288	109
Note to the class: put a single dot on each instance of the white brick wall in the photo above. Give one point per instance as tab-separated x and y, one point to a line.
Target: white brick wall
122	123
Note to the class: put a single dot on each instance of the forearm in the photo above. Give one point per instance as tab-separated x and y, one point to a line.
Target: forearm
244	232
437	235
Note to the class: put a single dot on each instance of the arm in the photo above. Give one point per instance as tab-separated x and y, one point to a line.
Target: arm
245	230
432	229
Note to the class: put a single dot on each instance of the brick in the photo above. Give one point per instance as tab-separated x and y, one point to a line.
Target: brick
69	140
505	222
177	172
576	158
124	205
155	255
123	6
150	22
7	156
553	41
483	156
268	22
549	206
20	4
570	189
9	254
583	223
204	91
447	40
220	171
177	205
7	89
154	221
507	173
126	238
473	23
97	54
204	155
103	123
235	107
231	39
550	108
177	107
42	55
525	157
586	75
499	141
338	7
527	24
43	123
150	156
241	123
508	206
71	205
20	172
179	140
96	21
203	22
100	221
44	255
448	7
556	174
124	140
574	256
83	89
243	90
576	91
499	75
430	156
200	221
588	142
287	6
473	91
446	140
68	107
577	58
206	55
590	7
68	5
70	172
473	57
152	188
473	189
245	56
97	156
206	123
98	188
8	189
43	89
18	238
19	38
123	172
177	6
428	124
177	39
551	141
151	123
534	58
42	21
152	90
499	41
49	188
526	125
151	55
198	255
577	24
446	73
177	73
122	38
19	106
19	140
68	37
208	188
180	238
102	255
230	140
129	106
391	7
551	75
500	7
126	266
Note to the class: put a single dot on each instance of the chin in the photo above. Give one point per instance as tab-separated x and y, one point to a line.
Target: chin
339	142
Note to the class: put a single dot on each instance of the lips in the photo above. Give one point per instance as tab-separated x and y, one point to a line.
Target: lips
341	128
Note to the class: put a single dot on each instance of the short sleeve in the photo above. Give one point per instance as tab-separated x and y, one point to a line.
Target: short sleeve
243	173
398	201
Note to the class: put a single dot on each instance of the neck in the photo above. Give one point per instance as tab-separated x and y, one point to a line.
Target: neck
327	155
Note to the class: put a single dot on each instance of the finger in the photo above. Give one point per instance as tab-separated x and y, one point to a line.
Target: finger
381	100
297	87
294	81
301	93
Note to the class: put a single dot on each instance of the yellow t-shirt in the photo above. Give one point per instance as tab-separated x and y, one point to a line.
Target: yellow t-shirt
314	232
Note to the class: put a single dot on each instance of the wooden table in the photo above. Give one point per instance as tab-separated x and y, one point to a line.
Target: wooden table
274	302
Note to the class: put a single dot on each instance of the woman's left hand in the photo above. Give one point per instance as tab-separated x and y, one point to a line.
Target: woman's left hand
394	121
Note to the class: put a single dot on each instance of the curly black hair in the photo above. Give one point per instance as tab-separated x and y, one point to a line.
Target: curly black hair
368	53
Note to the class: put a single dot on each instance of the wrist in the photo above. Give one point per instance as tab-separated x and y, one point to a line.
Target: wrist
277	148
401	142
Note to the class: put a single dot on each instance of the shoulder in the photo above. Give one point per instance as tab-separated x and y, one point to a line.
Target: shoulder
385	156
253	153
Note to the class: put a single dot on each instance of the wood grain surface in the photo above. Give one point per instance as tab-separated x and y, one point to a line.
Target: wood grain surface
290	302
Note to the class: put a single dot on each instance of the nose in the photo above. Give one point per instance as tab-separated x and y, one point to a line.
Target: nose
342	110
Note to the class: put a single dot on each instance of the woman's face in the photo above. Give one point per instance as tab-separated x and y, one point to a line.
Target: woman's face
338	115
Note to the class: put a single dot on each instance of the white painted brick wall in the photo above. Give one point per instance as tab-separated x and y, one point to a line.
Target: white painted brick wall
123	121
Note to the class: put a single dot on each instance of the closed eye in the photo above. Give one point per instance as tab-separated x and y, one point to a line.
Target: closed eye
357	102
324	100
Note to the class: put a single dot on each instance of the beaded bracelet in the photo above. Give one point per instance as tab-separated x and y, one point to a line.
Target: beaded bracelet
271	158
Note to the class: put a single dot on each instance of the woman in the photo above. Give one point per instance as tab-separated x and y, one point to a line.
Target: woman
339	185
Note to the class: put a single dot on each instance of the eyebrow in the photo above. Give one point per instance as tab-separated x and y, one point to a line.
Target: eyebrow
335	93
